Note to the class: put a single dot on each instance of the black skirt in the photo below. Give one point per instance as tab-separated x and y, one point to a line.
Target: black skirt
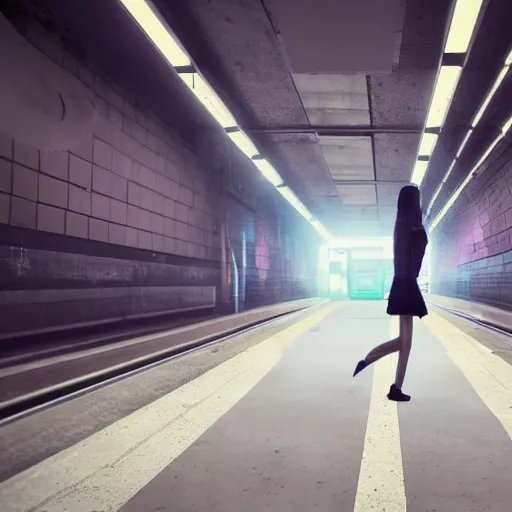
405	298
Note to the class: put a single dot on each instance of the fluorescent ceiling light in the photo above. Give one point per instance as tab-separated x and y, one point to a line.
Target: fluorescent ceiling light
243	143
433	200
508	61
420	169
463	144
295	202
449	171
320	228
490	95
160	35
268	172
206	95
487	152
446	84
462	25
449	204
463	185
506	127
428	142
166	42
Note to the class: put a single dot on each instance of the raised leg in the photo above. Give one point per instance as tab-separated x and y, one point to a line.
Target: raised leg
383	350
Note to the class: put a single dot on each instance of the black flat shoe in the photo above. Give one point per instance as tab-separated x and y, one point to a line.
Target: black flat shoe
396	395
360	367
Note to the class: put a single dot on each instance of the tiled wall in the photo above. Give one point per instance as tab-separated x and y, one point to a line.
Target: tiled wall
125	185
127	223
281	254
472	246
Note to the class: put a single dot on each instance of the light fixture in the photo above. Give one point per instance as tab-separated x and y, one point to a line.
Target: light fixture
147	17
268	171
508	60
428	142
462	25
445	86
295	202
434	197
206	95
490	94
420	169
487	152
506	127
463	143
483	107
243	143
468	178
449	204
321	229
158	33
449	171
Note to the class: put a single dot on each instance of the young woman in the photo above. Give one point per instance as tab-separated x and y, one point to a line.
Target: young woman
405	299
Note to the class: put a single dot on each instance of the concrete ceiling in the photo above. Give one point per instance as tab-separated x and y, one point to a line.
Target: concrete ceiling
334	99
339	112
341	123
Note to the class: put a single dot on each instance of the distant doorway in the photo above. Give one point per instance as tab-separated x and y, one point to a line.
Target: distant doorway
338	274
366	273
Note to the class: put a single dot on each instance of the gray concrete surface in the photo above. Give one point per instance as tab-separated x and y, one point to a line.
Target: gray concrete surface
298	440
499	343
456	455
34	438
295	442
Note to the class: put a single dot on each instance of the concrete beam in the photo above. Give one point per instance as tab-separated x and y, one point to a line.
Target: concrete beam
337	130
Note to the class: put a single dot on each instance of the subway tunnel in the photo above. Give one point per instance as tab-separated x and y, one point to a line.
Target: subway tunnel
197	237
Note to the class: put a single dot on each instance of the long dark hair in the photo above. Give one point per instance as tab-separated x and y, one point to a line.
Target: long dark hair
409	215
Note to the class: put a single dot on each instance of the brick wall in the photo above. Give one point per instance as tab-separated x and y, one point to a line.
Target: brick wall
127	223
472	246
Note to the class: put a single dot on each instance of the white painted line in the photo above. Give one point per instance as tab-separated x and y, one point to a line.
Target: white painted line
381	478
104	471
489	375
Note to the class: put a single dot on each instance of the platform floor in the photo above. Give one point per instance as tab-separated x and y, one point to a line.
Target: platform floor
283	426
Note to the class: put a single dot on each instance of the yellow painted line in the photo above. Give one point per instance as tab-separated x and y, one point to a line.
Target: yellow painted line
105	470
381	478
489	375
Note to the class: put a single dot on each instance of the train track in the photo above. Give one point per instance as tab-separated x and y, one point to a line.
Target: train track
487	325
66	342
30	403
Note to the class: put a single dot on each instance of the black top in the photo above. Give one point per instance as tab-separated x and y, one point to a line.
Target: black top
409	249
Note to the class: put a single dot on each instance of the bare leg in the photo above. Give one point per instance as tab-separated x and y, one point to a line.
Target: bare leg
383	350
405	337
